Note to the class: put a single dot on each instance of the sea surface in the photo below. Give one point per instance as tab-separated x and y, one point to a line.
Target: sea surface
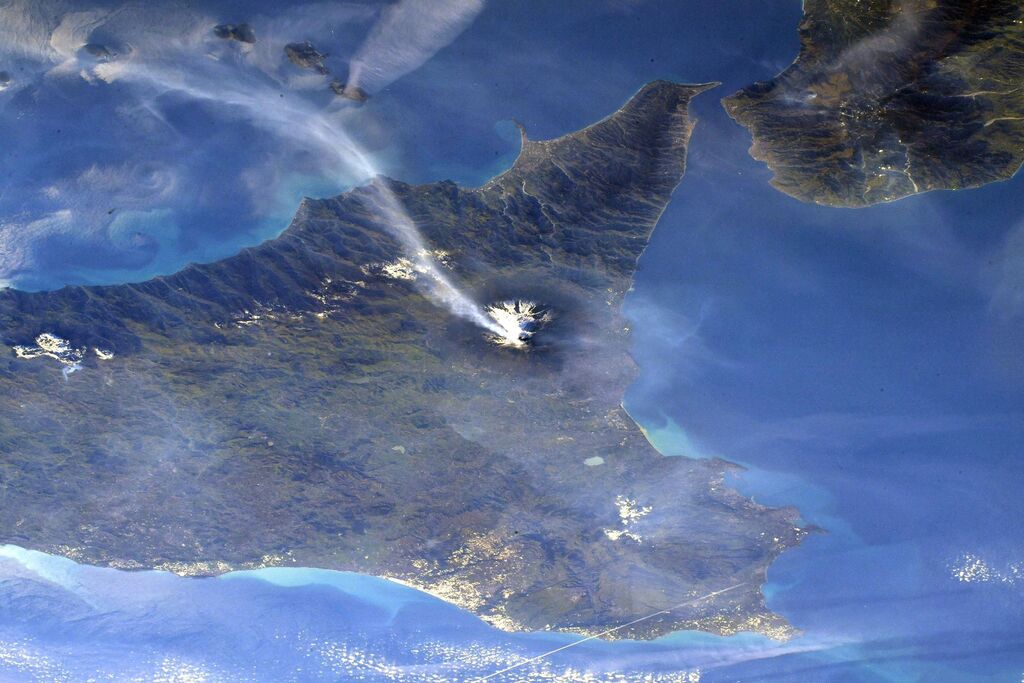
865	366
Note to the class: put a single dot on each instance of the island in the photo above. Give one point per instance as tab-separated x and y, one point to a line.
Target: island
889	98
242	33
305	56
304	403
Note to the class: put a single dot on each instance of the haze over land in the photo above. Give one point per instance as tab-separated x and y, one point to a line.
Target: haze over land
862	365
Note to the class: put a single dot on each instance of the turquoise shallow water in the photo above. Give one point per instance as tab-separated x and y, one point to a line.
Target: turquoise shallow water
863	365
64	621
860	365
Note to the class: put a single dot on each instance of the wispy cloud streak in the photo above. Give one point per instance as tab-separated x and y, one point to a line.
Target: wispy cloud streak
407	34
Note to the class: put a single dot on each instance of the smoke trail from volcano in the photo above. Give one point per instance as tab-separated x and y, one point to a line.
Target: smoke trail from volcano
155	55
407	34
294	117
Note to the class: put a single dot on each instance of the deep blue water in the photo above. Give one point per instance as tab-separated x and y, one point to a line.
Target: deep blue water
864	365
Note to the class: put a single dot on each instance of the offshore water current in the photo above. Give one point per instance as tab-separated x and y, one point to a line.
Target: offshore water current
864	365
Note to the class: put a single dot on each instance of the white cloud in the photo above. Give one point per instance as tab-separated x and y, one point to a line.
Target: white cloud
19	239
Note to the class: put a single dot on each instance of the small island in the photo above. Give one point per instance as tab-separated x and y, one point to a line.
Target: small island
303	403
889	98
242	33
305	56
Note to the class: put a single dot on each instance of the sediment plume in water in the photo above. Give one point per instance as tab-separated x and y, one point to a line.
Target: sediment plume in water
241	84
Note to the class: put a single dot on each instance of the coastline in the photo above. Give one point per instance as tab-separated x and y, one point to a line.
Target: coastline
564	193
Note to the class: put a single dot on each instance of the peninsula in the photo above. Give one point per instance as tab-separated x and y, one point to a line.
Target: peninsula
889	98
